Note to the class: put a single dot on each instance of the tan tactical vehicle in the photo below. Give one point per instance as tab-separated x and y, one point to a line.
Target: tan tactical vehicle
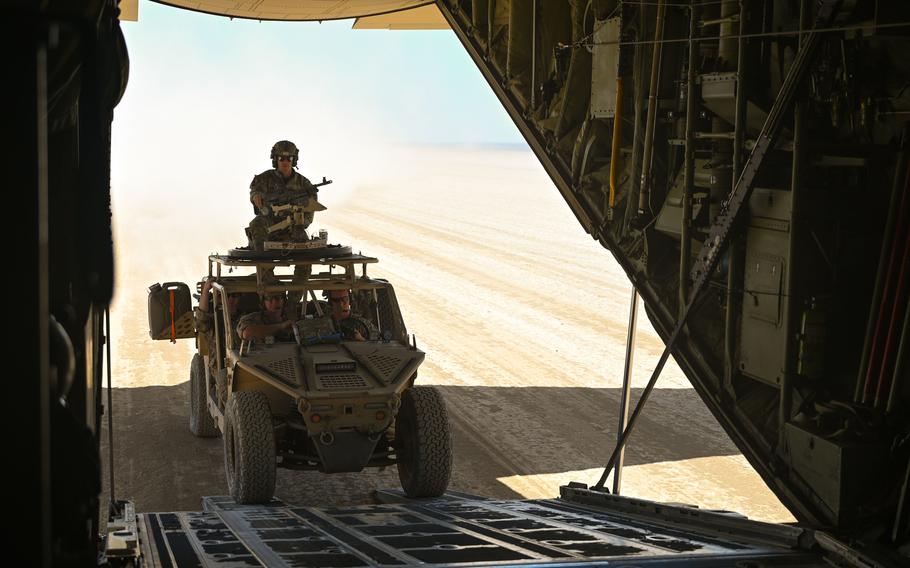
313	401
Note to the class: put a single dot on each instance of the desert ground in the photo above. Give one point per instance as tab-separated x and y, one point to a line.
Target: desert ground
522	315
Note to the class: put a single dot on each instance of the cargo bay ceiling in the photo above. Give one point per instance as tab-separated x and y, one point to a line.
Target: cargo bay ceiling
299	10
745	161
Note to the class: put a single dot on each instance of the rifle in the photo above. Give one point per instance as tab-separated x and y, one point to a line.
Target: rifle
275	203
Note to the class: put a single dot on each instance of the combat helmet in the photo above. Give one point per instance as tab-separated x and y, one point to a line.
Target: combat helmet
284	147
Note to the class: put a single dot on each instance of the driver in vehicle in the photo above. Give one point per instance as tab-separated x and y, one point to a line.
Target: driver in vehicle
203	315
353	326
271	321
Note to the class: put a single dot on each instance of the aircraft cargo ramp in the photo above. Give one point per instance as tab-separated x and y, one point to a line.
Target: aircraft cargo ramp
581	527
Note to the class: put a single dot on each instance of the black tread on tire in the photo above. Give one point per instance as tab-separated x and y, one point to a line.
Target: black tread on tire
249	447
423	443
202	424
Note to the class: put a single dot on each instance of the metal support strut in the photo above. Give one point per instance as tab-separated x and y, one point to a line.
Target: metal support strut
626	394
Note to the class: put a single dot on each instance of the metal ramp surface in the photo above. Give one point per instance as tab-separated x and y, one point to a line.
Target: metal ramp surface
459	529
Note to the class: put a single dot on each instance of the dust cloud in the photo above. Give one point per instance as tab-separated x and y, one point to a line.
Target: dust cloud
522	315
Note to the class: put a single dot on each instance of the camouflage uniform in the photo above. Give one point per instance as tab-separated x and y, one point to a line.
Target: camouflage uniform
204	320
205	323
272	182
259	318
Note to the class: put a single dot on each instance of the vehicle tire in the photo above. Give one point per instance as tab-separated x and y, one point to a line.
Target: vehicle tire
423	443
249	447
202	424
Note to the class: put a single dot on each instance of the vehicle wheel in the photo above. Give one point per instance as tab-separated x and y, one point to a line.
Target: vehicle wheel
423	443
249	447
201	422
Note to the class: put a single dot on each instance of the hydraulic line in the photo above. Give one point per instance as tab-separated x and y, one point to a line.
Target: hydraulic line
685	236
796	193
739	124
901	363
637	89
876	354
727	45
894	324
644	192
887	243
739	134
614	150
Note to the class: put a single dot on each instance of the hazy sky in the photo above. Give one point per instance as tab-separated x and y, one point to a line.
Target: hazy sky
207	93
416	86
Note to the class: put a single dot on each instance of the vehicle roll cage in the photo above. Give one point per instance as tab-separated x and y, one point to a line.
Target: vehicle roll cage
304	282
267	281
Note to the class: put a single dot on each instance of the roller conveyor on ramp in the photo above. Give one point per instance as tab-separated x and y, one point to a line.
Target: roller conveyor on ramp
582	527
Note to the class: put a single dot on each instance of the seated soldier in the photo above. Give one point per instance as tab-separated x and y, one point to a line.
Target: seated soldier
205	323
205	319
353	326
270	321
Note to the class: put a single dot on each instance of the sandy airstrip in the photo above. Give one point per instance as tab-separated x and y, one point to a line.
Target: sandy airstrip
522	315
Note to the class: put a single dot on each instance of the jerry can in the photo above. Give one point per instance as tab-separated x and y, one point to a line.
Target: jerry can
170	309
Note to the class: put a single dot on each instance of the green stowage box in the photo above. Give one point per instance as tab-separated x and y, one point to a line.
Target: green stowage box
170	311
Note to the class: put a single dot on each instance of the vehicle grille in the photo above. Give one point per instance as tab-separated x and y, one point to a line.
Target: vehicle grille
284	368
341	382
387	365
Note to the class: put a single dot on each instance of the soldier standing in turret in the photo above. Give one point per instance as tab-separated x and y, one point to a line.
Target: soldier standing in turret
281	179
